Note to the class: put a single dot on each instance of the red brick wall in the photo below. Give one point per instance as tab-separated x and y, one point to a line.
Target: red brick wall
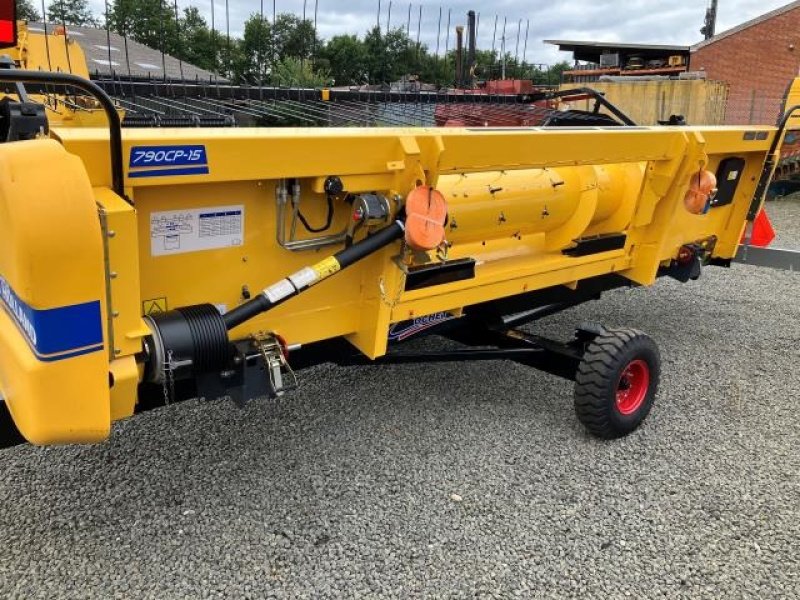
758	63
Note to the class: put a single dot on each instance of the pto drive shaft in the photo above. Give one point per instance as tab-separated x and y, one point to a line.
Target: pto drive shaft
305	278
191	341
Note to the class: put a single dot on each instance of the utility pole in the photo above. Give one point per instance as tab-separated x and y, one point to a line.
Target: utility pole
710	24
503	48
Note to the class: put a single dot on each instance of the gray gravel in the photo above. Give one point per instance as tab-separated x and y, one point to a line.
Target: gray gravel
457	480
785	214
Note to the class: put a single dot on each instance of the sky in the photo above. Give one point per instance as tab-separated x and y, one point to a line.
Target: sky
636	21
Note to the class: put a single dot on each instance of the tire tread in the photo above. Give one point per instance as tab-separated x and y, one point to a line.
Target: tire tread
597	376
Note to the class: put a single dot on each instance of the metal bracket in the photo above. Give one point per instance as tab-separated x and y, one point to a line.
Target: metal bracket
290	241
258	369
774	258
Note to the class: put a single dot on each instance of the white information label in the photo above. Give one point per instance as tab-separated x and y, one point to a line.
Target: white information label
304	278
279	291
195	229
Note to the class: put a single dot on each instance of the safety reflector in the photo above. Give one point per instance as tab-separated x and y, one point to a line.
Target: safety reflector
8	23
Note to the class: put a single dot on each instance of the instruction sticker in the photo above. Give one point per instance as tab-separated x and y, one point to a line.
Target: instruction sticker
196	229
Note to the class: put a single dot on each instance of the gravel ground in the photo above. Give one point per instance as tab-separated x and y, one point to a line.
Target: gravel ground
457	480
785	214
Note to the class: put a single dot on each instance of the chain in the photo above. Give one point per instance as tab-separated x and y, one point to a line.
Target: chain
168	384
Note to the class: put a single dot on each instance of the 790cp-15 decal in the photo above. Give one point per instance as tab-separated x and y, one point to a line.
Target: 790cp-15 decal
164	161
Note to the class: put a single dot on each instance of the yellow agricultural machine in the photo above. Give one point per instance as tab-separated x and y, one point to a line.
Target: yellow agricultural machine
142	269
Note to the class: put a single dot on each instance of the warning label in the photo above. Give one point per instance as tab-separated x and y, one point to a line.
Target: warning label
326	268
192	230
154	306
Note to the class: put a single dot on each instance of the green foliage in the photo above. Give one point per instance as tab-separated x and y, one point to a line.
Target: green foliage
296	72
71	12
150	22
346	58
255	51
391	55
294	38
197	44
288	52
27	12
556	72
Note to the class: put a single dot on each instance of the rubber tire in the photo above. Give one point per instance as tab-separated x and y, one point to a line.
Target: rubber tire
598	377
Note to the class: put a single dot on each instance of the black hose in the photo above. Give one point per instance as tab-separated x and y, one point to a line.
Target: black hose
339	261
328	219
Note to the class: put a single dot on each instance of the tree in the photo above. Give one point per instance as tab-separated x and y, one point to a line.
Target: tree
556	72
197	43
392	55
346	57
71	12
27	12
149	22
294	38
256	53
294	72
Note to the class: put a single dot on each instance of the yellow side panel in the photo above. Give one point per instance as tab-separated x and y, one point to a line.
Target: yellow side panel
118	219
53	361
125	377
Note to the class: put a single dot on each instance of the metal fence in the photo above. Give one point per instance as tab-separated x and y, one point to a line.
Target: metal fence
752	108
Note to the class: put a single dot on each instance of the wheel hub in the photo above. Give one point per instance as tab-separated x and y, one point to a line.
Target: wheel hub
632	387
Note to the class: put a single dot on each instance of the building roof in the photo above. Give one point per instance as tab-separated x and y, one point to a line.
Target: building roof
591	51
765	17
140	61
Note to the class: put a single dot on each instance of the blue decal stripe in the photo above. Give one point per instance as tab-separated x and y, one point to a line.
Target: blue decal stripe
169	172
55	333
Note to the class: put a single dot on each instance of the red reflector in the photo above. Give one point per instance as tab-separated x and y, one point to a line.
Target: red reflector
7	33
763	232
685	255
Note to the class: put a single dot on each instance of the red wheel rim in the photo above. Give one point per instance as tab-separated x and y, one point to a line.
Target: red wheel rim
632	387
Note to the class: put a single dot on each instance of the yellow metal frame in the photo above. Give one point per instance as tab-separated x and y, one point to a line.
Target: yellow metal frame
573	183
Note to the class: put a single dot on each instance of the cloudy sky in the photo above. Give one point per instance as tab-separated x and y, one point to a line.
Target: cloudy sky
632	21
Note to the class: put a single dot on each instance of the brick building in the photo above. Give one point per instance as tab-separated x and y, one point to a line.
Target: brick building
758	59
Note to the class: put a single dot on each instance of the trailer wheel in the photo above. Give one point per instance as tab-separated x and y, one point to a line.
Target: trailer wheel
616	382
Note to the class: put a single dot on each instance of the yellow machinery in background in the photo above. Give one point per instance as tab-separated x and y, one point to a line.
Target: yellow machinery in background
648	102
141	269
56	52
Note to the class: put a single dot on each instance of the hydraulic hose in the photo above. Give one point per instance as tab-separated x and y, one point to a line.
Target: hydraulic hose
294	284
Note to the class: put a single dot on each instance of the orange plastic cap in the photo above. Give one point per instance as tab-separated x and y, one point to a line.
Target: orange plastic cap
701	185
426	212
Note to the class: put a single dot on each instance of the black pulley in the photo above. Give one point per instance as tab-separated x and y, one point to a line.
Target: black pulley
187	342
